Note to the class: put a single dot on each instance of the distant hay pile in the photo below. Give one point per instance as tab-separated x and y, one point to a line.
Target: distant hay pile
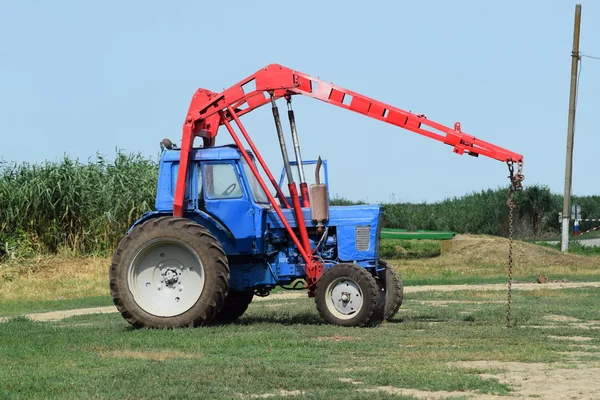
491	250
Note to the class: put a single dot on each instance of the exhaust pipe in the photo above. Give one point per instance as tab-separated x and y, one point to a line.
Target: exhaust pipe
319	206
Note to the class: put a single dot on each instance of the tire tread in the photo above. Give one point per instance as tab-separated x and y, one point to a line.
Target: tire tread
179	227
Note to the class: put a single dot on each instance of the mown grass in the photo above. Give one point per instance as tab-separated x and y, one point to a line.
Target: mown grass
284	346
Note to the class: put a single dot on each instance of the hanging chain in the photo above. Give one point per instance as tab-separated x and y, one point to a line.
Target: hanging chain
515	185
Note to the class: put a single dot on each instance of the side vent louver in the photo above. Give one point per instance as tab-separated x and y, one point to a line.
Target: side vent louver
363	237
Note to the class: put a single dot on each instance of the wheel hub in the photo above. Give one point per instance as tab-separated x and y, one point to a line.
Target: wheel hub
345	297
157	276
171	276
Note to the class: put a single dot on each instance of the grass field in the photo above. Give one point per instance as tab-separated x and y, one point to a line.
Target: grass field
442	344
441	341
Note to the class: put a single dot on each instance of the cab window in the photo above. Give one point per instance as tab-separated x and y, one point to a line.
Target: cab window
174	176
221	182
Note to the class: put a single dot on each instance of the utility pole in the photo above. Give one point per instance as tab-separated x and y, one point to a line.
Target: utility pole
571	132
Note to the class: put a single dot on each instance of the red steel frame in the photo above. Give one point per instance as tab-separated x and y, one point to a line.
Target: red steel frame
313	267
209	110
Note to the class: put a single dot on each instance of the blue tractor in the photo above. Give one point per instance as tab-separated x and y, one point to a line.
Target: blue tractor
218	236
231	245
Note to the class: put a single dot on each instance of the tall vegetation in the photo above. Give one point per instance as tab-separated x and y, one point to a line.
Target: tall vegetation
86	207
83	207
486	212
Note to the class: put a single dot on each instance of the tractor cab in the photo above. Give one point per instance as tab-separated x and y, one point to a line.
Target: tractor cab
223	195
221	192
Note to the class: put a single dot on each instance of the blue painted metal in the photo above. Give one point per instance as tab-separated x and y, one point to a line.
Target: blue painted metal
235	213
345	219
259	251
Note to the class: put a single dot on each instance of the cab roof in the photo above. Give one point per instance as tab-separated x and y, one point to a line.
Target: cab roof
226	152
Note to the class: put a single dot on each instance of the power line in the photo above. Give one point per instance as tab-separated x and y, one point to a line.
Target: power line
592	57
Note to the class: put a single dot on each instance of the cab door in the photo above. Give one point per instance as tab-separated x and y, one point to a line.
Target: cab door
226	198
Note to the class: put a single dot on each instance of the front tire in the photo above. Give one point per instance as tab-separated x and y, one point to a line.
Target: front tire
347	295
394	291
168	273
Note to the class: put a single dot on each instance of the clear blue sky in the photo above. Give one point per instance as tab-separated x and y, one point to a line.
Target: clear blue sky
79	77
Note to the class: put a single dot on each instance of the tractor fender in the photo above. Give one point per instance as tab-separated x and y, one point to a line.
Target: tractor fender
216	228
145	217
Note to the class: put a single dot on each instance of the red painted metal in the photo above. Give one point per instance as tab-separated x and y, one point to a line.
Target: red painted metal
312	265
261	161
283	81
206	113
304	193
203	114
299	217
186	147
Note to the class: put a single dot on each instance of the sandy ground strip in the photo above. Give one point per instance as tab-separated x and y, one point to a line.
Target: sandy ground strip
58	315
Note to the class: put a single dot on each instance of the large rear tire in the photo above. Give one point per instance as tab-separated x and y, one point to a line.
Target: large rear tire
168	273
394	291
347	295
236	304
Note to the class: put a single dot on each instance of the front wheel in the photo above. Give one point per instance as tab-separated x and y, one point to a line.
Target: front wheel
347	295
394	291
168	273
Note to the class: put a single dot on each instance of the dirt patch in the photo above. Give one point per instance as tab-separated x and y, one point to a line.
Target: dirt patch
561	318
420	394
350	380
586	325
585	347
575	325
444	303
543	381
82	325
161	355
280	393
572	338
335	338
452	288
501	286
58	315
482	250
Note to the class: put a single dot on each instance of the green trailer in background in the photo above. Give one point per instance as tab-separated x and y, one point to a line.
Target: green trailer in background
404	234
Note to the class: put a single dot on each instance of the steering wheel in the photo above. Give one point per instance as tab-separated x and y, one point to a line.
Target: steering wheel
229	190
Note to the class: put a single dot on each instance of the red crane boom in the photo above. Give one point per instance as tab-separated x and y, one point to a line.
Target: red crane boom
209	110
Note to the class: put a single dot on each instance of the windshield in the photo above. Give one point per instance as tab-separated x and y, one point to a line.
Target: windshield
257	192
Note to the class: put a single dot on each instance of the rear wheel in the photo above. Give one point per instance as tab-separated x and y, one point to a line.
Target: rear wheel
347	295
168	273
394	291
235	306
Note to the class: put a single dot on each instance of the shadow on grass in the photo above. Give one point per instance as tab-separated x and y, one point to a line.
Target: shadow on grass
300	318
417	318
